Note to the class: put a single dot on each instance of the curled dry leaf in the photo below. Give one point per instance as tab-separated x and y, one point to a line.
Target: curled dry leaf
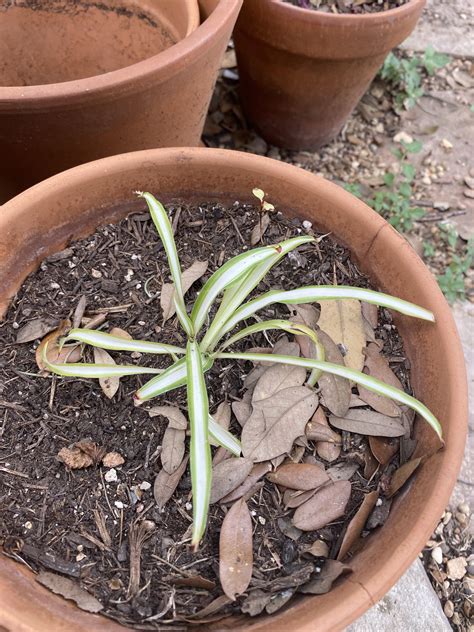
79	312
371	313
357	524
54	354
120	333
174	416
377	366
35	329
69	589
342	321
305	315
400	477
211	608
109	385
328	504
342	471
319	548
228	475
335	390
113	459
288	529
81	454
276	378
368	422
194	581
222	417
384	448
165	484
323	582
235	550
173	448
255	603
293	499
255	474
189	276
299	476
276	422
242	411
327	450
259	229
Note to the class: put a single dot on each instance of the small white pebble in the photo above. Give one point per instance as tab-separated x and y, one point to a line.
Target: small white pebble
80	557
307	224
111	475
118	504
437	555
188	506
145	485
55	286
379	502
28	525
262	520
15	325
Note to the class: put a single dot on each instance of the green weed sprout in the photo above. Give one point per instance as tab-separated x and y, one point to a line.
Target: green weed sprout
235	280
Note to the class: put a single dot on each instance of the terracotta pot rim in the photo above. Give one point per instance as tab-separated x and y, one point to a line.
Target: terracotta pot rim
162	65
291	12
354	596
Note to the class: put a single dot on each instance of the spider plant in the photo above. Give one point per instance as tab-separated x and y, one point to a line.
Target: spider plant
235	280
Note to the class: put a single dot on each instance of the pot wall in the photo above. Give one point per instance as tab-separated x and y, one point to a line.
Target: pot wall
45	218
302	72
161	101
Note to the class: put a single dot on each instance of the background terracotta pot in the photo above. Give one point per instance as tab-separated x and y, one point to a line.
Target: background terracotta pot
79	84
302	72
70	205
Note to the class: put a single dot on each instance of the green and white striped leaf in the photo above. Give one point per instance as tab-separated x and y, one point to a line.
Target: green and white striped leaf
173	377
224	438
92	370
200	452
371	383
116	343
238	291
163	226
316	293
296	329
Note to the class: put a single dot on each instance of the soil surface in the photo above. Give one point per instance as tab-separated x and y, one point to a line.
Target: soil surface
75	523
348	6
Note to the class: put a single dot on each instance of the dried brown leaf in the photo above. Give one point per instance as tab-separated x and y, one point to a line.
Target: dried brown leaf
276	422
357	524
69	589
277	378
293	499
288	529
211	608
35	329
342	471
242	411
400	476
109	385
319	548
384	448
236	550
228	475
54	354
74	458
323	583
342	321
194	581
299	476
189	276
173	414
368	422
377	366
328	504
165	484
335	390
120	333
283	346
173	448
259	229
371	313
79	311
306	315
255	603
255	474
327	450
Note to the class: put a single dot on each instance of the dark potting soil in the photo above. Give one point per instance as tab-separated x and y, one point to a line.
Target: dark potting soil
348	6
75	523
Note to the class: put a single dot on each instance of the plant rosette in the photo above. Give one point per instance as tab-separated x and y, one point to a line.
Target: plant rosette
210	342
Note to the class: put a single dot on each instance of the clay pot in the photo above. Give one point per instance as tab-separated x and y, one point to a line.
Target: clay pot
302	72
84	80
68	206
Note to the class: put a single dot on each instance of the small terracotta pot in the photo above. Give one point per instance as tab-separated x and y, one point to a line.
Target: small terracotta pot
44	219
302	72
84	80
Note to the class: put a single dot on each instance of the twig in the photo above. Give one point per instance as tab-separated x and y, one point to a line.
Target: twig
13	472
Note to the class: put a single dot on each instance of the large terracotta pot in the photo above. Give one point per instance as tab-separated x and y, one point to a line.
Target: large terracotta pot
78	84
302	72
70	205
